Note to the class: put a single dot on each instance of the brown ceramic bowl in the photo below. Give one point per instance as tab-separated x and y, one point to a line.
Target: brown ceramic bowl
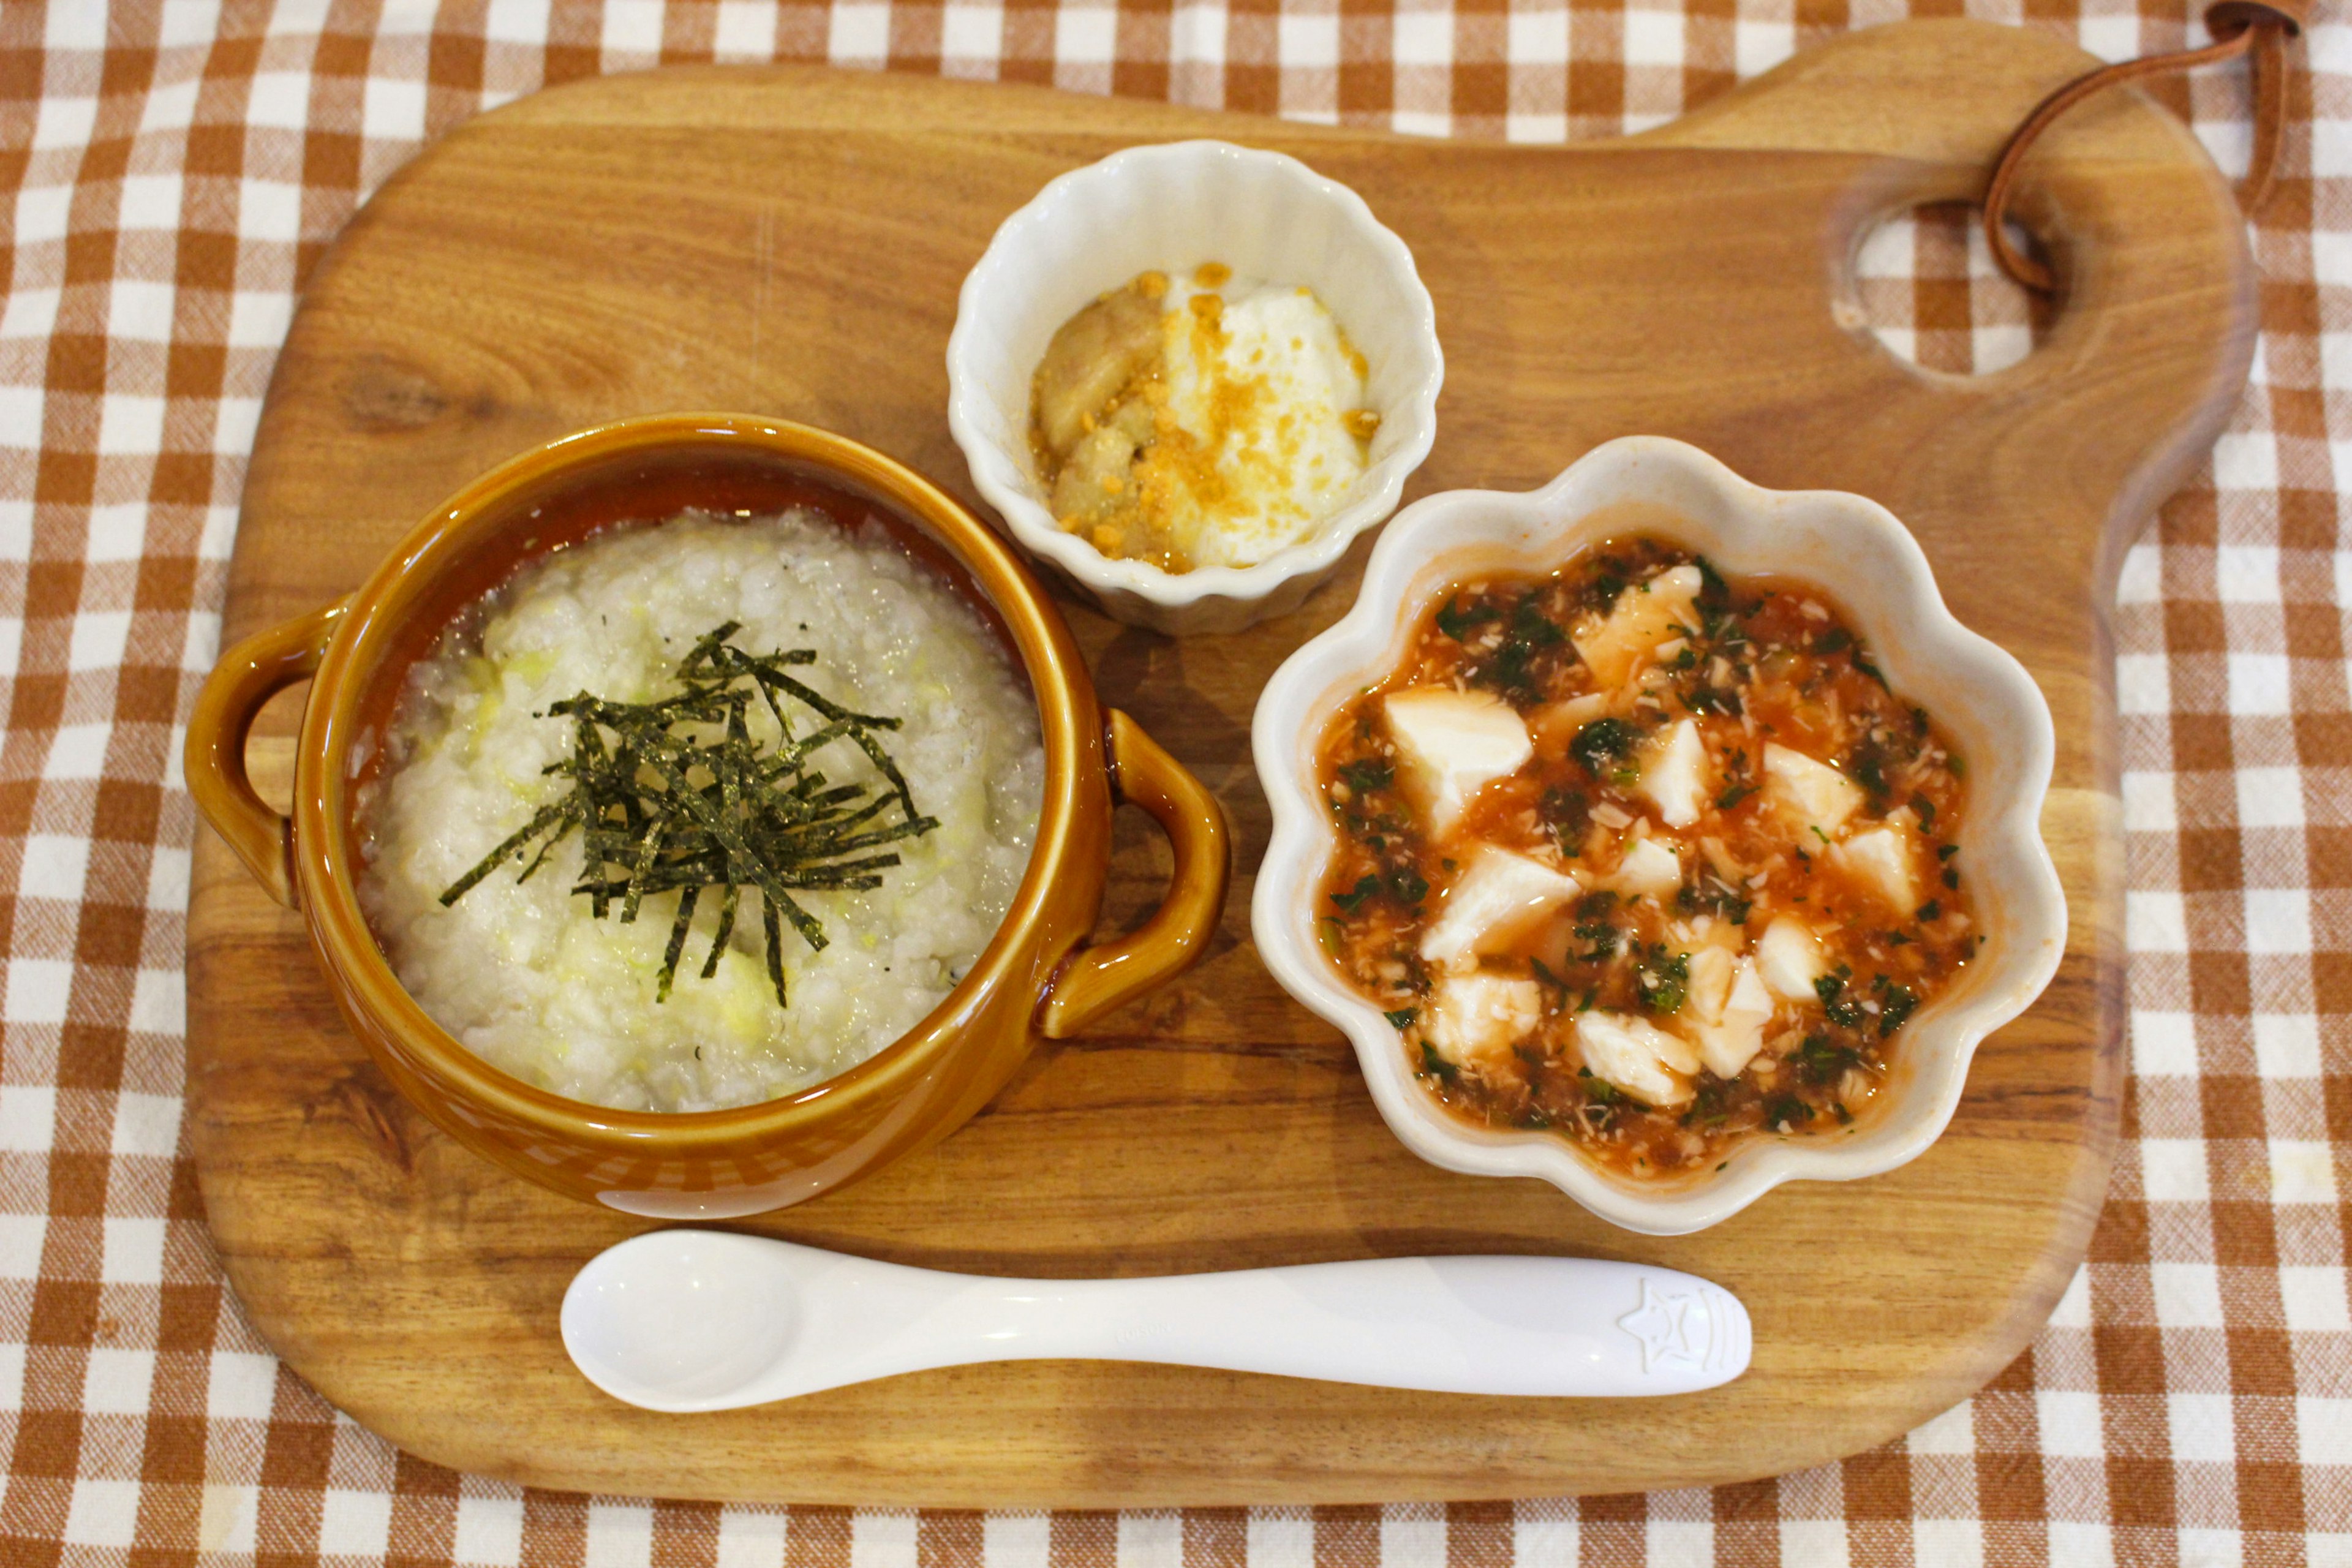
1037	979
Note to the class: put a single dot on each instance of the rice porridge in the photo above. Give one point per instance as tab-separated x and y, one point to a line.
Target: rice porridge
712	708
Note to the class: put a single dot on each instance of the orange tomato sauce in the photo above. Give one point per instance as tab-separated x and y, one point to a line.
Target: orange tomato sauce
1860	861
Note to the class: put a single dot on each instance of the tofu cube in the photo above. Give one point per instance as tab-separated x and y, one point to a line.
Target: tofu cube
1712	970
1788	958
1673	775
1477	1018
1449	745
1730	1041
1879	860
1637	1057
1643	617
1500	900
1812	795
1648	866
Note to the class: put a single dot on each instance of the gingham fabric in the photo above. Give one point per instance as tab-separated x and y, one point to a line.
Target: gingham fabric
168	174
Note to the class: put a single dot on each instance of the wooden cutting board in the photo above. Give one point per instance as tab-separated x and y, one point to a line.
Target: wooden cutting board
790	242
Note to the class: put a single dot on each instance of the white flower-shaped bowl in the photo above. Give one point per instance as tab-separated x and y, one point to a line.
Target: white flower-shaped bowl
1170	208
1867	564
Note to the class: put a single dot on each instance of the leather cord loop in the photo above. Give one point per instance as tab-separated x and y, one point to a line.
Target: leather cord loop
2239	28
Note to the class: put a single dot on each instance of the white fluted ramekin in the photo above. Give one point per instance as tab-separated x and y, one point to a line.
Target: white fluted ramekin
1170	208
1870	565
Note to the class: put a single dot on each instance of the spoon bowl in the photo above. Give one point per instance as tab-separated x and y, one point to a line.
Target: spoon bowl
697	1319
704	1316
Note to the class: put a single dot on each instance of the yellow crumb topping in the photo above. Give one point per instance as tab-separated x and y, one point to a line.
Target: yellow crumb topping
1214	433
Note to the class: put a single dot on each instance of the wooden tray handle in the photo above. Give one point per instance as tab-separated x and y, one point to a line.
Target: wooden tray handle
252	673
1095	980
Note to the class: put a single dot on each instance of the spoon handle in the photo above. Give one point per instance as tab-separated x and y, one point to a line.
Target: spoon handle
1510	1325
700	1320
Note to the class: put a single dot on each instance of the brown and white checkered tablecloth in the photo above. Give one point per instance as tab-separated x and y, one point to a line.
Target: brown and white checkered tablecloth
169	171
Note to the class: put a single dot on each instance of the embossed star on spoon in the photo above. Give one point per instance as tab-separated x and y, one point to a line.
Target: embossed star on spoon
702	1319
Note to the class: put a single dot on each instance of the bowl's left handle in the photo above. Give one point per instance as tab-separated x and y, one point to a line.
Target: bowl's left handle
1096	980
247	676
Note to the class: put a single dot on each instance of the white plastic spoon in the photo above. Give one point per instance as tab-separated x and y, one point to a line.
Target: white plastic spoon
703	1320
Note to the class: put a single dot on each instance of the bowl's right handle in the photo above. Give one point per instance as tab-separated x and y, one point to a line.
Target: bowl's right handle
247	676
1097	979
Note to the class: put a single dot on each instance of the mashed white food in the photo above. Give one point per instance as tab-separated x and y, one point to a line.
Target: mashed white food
523	974
1213	422
1266	391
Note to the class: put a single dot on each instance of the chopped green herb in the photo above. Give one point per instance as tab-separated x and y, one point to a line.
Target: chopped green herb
1456	622
1664	979
1787	1110
1711	1105
1840	1008
1366	887
1601	743
1822	1059
1368	775
1715	895
1508	671
1701	697
1933	909
1894	1009
1437	1067
1712	589
1951	878
1927	810
1601	934
1529	624
1733	796
1402	1018
1409	885
1868	766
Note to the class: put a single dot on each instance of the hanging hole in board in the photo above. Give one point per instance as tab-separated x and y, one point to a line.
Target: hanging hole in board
1925	285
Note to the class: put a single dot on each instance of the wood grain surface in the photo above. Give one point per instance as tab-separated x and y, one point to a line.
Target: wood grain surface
790	242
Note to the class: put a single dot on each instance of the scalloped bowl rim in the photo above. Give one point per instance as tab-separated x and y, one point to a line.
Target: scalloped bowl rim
2025	913
1000	480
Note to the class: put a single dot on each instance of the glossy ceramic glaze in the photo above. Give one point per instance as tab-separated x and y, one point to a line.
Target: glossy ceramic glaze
1868	562
1036	978
706	1319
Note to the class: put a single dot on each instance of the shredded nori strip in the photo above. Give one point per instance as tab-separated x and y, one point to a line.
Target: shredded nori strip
662	807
